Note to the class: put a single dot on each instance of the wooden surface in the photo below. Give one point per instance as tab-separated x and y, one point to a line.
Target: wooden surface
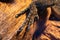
8	23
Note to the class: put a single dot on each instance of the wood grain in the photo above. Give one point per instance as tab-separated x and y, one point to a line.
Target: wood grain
8	23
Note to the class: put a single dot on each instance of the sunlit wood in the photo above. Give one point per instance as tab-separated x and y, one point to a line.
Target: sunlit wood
9	25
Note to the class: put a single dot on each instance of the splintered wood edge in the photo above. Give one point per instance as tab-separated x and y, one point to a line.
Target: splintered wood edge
48	15
49	12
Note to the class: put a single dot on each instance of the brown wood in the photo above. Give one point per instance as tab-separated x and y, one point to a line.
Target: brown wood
56	10
8	23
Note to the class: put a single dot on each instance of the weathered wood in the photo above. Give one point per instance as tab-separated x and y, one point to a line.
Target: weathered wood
8	23
56	9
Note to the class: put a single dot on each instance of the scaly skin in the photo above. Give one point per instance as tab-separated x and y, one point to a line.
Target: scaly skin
30	18
55	6
33	12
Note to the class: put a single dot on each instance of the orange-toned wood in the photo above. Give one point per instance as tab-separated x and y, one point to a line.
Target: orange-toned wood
8	23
